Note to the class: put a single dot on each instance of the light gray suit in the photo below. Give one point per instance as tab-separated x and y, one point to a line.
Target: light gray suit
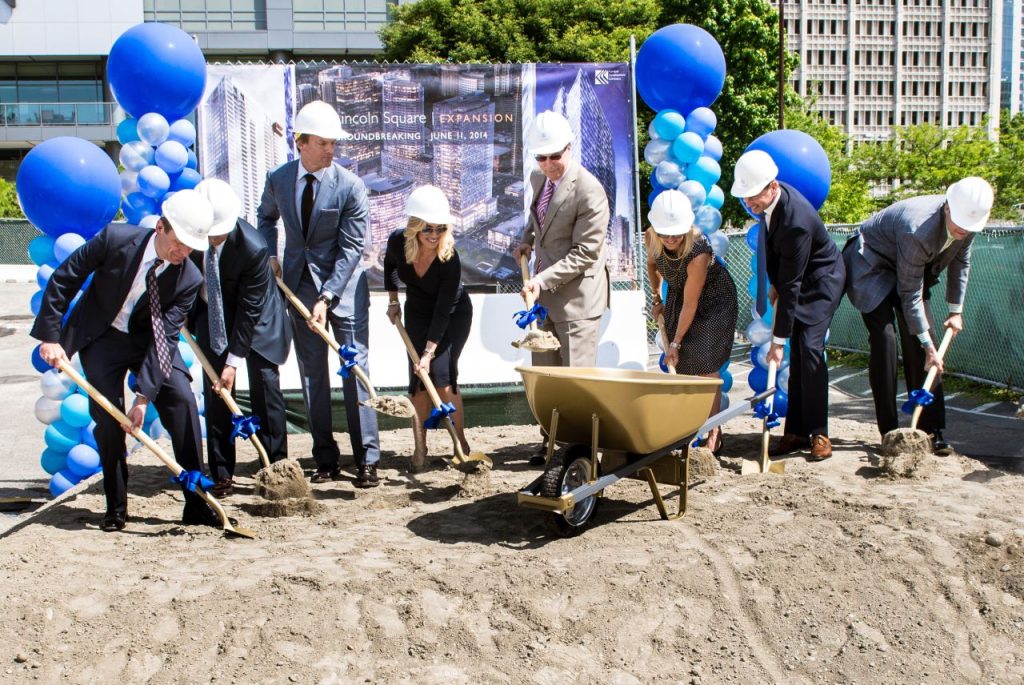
326	261
572	261
891	265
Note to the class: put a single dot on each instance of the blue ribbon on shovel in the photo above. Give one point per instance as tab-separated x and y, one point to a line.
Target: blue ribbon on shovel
762	411
661	363
918	398
439	414
527	316
348	360
244	426
190	480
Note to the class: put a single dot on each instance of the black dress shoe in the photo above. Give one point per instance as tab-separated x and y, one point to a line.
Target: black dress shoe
367	476
113	522
939	446
326	475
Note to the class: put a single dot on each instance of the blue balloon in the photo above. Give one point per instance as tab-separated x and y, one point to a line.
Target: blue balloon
757	379
153	129
40	249
187	355
751	237
43	274
127	131
780	403
726	381
36	302
61	437
193	161
716	197
66	244
183	131
694	193
74	410
153	182
186	180
151	415
67	184
37	361
687	147
655	185
701	121
83	461
669	123
755	359
61	483
136	206
708	219
155	67
680	67
53	461
171	156
713	148
705	171
652	196
89	435
802	162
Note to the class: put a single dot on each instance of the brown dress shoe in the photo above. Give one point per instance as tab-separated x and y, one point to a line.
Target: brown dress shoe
223	488
789	442
821	448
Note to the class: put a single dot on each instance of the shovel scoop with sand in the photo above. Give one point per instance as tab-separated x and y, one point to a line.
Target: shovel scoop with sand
535	339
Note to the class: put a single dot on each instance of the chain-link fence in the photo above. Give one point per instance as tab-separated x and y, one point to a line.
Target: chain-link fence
15	235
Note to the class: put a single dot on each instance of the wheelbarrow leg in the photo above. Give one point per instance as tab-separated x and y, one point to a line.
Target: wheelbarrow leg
551	437
684	490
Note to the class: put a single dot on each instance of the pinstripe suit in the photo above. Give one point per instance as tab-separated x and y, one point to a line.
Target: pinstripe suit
892	262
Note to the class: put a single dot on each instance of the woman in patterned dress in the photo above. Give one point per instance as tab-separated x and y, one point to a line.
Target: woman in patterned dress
700	309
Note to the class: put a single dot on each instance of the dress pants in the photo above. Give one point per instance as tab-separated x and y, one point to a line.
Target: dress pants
311	352
578	339
808	380
106	361
267	403
882	323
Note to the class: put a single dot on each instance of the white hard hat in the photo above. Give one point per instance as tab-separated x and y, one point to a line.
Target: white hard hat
227	206
430	204
754	171
190	216
319	119
550	132
970	201
671	213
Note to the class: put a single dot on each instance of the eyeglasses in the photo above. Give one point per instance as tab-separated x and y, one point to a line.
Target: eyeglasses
554	157
430	229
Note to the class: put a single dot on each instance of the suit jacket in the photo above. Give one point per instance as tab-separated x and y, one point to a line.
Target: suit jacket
803	262
254	312
113	257
333	250
570	245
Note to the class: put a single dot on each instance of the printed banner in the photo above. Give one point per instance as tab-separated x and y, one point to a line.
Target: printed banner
457	126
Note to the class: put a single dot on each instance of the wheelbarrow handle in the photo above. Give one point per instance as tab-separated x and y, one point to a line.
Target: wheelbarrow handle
223	393
322	332
933	372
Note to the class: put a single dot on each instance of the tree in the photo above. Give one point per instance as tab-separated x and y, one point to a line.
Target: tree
9	207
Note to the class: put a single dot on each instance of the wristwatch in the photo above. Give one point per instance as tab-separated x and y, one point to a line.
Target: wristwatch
326	299
674	345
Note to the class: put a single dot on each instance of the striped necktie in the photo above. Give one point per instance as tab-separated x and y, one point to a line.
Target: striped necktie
156	316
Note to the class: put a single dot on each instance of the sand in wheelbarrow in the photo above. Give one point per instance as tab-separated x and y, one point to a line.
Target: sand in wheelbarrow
906	453
282	480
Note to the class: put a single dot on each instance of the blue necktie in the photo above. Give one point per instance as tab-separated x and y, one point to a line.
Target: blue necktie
761	305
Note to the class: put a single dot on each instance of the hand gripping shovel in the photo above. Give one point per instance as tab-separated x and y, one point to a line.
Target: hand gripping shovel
670	370
243	424
462	460
769	419
175	468
919	398
391	406
535	340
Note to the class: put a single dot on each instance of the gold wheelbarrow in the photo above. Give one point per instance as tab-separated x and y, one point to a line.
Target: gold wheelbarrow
615	424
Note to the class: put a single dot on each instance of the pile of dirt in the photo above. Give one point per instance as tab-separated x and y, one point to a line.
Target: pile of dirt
906	453
282	480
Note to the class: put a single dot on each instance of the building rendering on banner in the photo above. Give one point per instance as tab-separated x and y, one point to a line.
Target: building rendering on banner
871	65
1012	97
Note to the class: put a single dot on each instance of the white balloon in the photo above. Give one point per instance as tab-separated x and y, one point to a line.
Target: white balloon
782	381
157	430
719	243
56	385
651	132
758	332
129	181
47	410
668	174
762	354
656	151
136	155
149	221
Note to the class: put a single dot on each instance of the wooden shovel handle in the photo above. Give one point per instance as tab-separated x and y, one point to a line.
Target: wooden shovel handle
765	430
664	343
233	407
524	265
322	332
933	372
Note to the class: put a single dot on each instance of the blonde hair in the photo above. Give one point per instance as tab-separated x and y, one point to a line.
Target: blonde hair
445	247
655	246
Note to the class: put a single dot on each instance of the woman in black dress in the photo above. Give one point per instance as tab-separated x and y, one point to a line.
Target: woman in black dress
700	310
438	312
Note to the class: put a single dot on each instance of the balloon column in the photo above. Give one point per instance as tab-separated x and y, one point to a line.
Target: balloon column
70	189
680	71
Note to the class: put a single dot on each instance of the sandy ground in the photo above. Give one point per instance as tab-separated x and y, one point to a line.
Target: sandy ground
829	573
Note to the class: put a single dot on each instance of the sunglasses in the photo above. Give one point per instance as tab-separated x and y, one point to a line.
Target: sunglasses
554	157
430	229
670	237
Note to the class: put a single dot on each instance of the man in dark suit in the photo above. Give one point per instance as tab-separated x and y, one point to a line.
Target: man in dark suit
892	262
117	326
806	273
324	209
239	317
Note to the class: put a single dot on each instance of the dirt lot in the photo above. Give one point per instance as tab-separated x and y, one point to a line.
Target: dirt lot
829	573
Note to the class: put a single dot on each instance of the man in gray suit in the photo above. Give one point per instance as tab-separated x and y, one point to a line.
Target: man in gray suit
324	209
566	230
892	262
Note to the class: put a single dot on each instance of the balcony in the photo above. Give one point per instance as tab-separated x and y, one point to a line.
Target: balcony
33	122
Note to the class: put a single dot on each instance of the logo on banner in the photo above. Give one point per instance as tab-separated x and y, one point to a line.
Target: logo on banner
601	77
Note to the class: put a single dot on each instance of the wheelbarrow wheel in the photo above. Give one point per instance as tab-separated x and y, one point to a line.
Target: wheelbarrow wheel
563	476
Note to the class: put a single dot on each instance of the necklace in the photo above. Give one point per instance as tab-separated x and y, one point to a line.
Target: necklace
670	257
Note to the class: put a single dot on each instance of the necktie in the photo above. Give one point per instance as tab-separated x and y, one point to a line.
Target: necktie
761	305
307	203
542	203
156	316
215	304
